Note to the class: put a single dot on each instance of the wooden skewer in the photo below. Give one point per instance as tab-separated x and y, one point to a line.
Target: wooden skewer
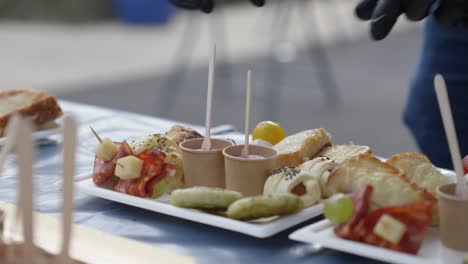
447	118
245	151
69	146
96	134
25	158
209	98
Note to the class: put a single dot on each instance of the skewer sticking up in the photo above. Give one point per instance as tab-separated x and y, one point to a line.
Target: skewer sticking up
206	145
69	146
447	118
96	134
245	151
25	157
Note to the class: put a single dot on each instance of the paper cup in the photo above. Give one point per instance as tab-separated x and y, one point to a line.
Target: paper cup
453	214
204	168
248	176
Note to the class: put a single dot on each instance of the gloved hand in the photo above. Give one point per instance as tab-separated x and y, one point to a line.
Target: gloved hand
384	13
205	5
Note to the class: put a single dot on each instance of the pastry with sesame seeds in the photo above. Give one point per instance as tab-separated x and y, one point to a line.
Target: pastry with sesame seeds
292	180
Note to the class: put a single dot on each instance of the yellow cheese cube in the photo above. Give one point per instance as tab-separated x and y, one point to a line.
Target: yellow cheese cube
390	229
106	150
128	167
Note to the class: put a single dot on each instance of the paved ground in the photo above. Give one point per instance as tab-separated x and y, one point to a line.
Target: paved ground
132	68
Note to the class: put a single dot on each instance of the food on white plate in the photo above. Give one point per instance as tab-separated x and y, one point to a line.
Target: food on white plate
162	143
391	187
256	207
465	259
341	153
298	148
400	228
268	131
419	170
262	142
41	108
180	133
128	167
320	169
292	180
106	149
155	175
204	198
339	208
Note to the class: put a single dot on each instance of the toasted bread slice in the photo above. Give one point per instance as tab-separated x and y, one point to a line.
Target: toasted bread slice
341	153
419	170
41	108
391	187
300	147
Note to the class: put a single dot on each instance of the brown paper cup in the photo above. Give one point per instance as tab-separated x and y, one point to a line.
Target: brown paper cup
204	168
247	175
453	214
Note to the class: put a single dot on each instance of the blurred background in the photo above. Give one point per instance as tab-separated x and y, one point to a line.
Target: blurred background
313	62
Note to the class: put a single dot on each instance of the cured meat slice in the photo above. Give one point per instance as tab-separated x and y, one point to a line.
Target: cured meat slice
416	218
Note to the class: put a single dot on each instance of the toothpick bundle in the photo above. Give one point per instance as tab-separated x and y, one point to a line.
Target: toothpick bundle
19	133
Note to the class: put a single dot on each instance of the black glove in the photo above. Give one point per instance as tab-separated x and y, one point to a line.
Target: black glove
205	5
384	13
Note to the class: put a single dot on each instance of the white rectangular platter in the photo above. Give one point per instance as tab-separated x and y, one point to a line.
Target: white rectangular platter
260	228
431	251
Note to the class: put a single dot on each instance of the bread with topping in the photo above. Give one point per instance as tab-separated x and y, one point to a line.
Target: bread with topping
298	148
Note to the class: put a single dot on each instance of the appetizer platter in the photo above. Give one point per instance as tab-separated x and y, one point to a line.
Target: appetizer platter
165	192
41	108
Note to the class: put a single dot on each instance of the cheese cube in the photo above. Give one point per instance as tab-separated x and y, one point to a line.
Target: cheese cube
128	167
106	150
390	229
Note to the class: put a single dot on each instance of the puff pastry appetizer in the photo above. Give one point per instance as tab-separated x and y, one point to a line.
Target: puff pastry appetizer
291	180
320	169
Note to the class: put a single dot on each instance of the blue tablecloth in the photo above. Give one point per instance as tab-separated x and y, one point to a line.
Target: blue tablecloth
203	243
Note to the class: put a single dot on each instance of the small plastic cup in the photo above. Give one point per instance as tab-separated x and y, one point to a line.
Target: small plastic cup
248	176
453	214
204	167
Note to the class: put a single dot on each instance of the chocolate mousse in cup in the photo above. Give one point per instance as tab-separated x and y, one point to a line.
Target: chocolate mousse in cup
248	175
453	213
204	167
